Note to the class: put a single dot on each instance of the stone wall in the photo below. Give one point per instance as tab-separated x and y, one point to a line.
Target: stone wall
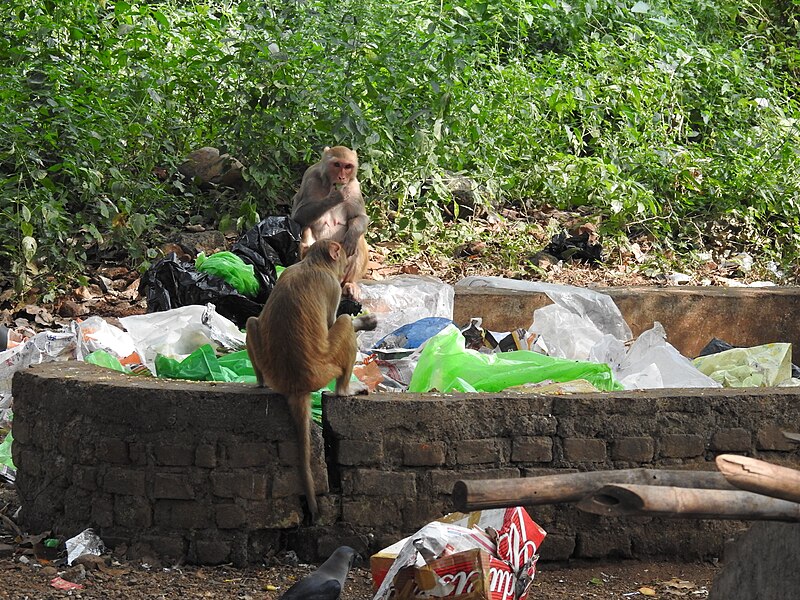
208	471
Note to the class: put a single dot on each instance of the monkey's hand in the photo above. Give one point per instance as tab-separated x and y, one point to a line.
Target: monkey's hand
335	196
365	323
350	241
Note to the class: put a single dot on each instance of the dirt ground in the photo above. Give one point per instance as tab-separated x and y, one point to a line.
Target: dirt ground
28	570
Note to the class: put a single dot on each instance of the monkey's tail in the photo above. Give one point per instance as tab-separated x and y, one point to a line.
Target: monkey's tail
300	409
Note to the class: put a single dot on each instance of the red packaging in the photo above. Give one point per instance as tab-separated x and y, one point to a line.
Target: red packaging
472	574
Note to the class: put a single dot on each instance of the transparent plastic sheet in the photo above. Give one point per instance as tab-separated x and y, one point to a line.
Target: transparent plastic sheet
599	309
760	366
650	362
95	333
178	332
401	300
446	365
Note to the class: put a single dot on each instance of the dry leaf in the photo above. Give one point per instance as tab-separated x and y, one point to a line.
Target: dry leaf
647	591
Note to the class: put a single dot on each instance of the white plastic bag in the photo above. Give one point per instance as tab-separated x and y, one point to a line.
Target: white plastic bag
178	332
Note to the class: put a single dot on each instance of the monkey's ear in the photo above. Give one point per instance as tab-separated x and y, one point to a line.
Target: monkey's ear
335	249
326	150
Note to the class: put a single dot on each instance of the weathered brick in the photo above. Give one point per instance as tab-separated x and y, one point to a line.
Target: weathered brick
598	544
282	513
113	451
206	456
222	484
84	477
532	449
771	437
360	452
682	445
210	551
102	510
584	450
132	512
558	547
172	485
286	482
124	481
442	481
249	455
472	452
424	454
372	482
171	546
138	453
181	514
732	440
633	449
230	516
378	512
21	429
239	484
173	455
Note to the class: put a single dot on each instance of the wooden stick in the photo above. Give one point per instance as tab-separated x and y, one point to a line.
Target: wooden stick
622	500
570	487
761	477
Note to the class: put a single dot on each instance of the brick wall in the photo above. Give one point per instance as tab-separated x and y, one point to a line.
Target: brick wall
208	471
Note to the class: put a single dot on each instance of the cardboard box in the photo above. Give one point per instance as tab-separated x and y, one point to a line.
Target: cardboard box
502	561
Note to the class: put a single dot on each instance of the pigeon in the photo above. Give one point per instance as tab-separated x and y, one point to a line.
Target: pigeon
327	581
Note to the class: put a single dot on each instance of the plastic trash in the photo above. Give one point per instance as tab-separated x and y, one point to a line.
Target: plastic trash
446	365
575	247
650	362
717	345
101	358
178	332
401	300
597	308
95	333
86	542
5	452
232	269
760	366
200	365
413	335
171	283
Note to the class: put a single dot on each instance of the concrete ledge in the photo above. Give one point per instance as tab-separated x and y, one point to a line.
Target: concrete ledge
691	316
207	471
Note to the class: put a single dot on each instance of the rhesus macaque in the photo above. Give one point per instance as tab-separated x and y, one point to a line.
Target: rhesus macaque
297	345
329	205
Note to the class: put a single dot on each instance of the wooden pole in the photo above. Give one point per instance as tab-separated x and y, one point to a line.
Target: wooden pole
622	500
571	487
760	477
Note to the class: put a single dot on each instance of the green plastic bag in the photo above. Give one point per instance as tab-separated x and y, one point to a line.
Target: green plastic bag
447	366
204	365
101	358
232	269
200	365
5	452
760	366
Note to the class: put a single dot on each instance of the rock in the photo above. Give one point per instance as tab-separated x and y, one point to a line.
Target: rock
207	166
72	310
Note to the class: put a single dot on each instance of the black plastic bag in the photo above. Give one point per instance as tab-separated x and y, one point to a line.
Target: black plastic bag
272	242
171	283
575	247
275	241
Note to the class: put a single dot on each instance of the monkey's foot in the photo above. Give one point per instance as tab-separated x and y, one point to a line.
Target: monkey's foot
354	388
352	289
365	323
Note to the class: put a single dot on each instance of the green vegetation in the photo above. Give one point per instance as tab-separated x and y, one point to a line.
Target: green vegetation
672	118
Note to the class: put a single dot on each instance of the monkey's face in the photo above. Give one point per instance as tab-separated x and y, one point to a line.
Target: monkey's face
341	171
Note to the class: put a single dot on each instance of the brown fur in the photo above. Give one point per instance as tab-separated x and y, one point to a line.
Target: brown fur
329	205
297	345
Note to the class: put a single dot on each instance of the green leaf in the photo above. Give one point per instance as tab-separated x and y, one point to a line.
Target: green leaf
640	7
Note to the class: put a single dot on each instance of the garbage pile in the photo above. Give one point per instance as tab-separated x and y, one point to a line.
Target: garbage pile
579	343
